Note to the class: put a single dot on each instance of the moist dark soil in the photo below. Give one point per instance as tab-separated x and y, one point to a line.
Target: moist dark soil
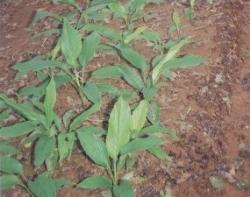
208	106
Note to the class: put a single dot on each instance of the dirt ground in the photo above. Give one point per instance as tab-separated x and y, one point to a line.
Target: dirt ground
208	106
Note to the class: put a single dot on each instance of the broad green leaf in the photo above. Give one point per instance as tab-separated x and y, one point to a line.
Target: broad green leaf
154	113
115	92
132	77
95	148
185	61
118	130
10	165
182	62
124	189
109	89
103	30
96	182
65	144
89	46
91	91
35	64
107	72
132	57
43	186
159	129
17	129
84	116
50	101
8	181
170	54
23	110
139	117
71	43
118	9
141	144
7	149
135	35
151	36
159	153
43	148
4	114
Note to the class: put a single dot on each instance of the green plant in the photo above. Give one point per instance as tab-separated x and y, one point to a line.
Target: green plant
54	137
81	34
143	77
126	135
176	18
13	175
131	11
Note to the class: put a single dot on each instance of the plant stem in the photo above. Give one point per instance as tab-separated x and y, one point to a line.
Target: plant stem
115	172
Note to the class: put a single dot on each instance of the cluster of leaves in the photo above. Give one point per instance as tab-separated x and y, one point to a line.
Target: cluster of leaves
82	34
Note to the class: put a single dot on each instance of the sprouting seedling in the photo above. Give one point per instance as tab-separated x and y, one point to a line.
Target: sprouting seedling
176	18
189	12
126	135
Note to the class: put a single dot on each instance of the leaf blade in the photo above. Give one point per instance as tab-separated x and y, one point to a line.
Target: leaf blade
71	43
87	52
17	130
118	129
10	165
96	182
94	147
141	144
43	148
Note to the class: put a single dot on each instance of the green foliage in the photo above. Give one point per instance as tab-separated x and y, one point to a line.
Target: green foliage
95	148
10	165
49	102
88	48
8	181
7	149
71	43
130	129
43	149
46	186
96	182
119	128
